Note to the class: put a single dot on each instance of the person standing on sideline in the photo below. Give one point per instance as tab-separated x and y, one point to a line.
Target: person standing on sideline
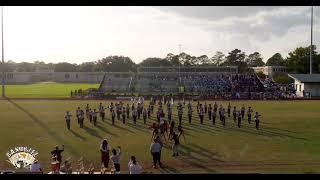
133	166
104	149
155	149
35	167
256	119
144	114
68	119
115	157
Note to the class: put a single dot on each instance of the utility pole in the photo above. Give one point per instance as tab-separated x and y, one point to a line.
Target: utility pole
311	50
3	78
179	62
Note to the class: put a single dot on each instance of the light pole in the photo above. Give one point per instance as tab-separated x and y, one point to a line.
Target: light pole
311	50
3	78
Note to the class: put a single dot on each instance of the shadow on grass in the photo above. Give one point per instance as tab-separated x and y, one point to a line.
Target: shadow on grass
169	170
48	129
106	130
77	135
92	132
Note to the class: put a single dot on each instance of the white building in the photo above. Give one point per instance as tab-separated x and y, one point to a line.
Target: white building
269	70
307	83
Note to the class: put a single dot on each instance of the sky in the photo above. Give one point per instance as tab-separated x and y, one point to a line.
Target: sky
79	34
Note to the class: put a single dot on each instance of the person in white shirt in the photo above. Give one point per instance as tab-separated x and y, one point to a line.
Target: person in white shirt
134	167
35	167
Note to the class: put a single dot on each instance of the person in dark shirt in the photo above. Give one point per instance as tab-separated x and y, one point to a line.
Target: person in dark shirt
175	145
57	153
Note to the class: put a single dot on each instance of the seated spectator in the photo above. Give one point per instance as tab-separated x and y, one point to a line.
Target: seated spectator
35	167
134	167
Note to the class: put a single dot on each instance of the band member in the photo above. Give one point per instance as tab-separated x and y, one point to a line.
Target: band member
163	128
243	110
214	116
78	111
128	111
123	115
101	111
134	115
104	149
138	110
223	117
239	118
144	114
180	112
229	109
210	112
181	132
113	116
215	106
149	111
94	117
152	106
155	130
171	129
190	113
175	145
201	113
90	115
234	113
81	118
249	112
256	119
111	106
68	119
205	107
169	113
87	111
220	110
118	111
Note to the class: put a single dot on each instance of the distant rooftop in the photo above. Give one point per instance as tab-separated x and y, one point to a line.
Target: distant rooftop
311	78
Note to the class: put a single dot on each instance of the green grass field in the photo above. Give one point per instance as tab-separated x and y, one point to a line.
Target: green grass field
45	89
288	141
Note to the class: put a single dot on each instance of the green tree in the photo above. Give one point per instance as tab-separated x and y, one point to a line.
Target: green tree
254	60
116	64
275	60
235	57
298	60
65	67
87	67
218	58
153	61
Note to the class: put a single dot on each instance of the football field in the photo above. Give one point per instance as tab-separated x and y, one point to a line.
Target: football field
288	141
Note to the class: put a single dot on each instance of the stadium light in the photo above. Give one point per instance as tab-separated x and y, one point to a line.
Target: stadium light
3	79
311	50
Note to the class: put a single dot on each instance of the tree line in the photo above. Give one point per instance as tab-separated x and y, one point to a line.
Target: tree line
297	61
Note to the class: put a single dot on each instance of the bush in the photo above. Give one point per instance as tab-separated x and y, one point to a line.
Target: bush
261	75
